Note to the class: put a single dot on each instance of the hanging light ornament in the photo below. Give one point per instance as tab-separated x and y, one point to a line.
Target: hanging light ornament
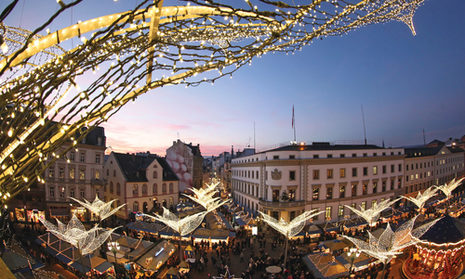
372	215
99	208
422	198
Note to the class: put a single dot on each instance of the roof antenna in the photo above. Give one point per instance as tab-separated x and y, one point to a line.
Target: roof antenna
364	127
424	137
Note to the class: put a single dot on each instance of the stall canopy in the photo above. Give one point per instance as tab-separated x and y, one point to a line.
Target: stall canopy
324	265
157	256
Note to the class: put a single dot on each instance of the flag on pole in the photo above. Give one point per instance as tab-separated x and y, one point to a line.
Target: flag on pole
292	116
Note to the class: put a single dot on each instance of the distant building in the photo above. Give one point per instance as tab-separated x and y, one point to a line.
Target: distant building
435	165
285	181
78	175
142	181
186	161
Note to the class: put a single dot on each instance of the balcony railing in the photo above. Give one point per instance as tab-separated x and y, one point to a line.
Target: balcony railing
281	204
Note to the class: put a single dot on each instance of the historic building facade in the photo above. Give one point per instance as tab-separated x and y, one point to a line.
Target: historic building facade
79	174
186	161
285	181
142	181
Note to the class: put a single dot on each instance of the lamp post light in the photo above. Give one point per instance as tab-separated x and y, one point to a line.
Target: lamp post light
114	248
353	253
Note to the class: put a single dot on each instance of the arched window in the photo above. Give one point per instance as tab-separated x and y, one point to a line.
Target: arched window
144	189
163	188
171	188
155	188
135	206
111	187
118	189
155	174
135	190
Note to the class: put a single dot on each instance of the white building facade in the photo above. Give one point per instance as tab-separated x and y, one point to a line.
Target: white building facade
285	181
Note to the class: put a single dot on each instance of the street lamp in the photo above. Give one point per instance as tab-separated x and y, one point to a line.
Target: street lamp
352	253
113	247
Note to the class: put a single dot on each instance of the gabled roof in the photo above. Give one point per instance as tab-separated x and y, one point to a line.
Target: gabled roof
134	166
455	149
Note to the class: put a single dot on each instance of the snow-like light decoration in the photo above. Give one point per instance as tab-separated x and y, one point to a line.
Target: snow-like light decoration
448	188
204	197
182	226
372	214
422	198
76	234
134	52
391	243
289	229
99	208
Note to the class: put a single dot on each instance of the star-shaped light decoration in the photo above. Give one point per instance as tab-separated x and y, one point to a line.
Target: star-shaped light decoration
448	188
422	198
182	226
99	208
205	198
372	215
76	234
391	243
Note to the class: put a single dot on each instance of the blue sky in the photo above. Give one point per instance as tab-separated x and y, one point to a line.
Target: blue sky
405	84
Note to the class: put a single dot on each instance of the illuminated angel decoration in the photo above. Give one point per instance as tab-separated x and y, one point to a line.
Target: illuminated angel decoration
76	234
204	197
289	229
99	208
422	198
372	215
182	226
448	188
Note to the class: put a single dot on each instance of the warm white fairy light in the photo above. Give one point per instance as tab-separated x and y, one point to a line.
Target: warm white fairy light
422	198
448	188
204	197
99	208
76	234
292	228
391	243
200	37
183	226
372	214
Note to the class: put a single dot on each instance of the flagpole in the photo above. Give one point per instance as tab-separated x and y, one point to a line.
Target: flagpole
293	123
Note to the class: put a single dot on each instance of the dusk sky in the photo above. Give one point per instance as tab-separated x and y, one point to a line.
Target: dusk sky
405	83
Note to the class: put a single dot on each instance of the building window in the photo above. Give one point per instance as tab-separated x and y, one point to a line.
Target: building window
155	189
354	190
354	155
144	189
329	156
316	193
354	172
118	189
135	206
155	174
82	157
392	184
108	172
392	168
399	183
328	213
291	195
291	175
375	170
135	190
71	192
72	173
51	172
383	186
111	187
342	155
384	169
163	188
97	158
399	168
365	171
329	192
329	173
340	211
373	203
316	174
82	193
52	192
97	174
82	174
342	173
61	173
71	156
364	189
375	187
114	173
364	205
171	188
291	157
276	157
342	191
316	156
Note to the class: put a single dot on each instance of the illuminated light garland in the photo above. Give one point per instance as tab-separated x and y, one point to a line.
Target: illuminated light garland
99	208
391	243
183	226
76	234
422	198
190	40
448	188
372	215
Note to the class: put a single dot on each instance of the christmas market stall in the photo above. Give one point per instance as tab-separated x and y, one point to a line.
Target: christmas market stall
156	257
440	252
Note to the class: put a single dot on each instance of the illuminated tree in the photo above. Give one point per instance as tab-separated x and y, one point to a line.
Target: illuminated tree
140	50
